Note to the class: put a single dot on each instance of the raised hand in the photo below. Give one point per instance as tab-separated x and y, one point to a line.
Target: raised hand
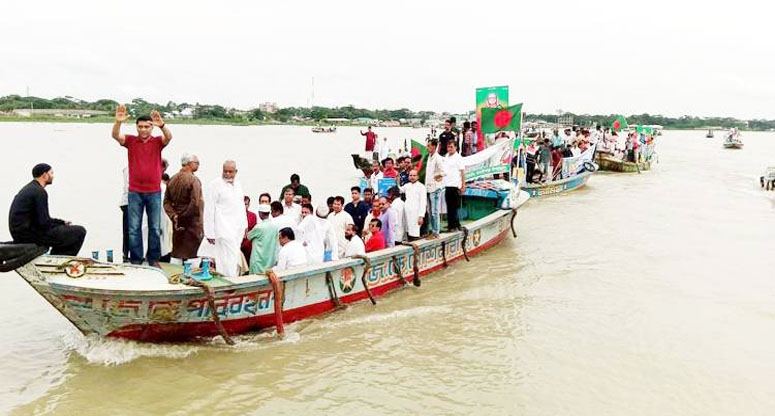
156	117
121	114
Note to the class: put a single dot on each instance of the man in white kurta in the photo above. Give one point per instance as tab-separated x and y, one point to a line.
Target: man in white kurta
398	230
415	205
225	221
317	236
291	209
339	219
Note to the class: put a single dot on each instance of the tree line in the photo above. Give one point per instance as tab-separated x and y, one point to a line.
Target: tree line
140	106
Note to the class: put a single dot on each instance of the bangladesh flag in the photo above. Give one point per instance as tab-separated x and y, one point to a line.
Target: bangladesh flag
419	154
501	119
619	124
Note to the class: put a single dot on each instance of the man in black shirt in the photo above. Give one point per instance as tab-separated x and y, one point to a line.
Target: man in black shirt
445	137
29	221
357	209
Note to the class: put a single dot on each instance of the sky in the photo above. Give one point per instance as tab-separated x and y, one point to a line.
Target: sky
594	57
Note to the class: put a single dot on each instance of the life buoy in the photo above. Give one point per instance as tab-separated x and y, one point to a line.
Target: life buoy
589	166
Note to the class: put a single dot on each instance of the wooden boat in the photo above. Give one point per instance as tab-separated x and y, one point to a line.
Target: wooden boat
557	187
319	129
149	304
607	161
576	171
733	143
709	135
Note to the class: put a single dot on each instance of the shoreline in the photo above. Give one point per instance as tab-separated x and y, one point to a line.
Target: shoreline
243	122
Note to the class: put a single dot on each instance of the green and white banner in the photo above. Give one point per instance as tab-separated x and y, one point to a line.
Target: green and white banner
495	159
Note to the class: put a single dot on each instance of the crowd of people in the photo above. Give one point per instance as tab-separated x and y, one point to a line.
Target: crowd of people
185	221
545	152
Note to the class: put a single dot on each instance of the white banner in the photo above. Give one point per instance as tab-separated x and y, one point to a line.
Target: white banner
492	160
572	166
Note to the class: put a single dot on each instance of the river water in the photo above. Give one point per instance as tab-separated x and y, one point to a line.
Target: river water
645	294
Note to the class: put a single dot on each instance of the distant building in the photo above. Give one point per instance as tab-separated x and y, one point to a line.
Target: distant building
268	108
337	120
365	120
565	120
187	112
58	112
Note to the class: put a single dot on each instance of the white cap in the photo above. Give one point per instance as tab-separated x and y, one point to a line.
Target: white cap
264	208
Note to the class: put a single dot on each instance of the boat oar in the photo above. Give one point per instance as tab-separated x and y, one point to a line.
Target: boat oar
463	243
332	291
416	264
513	215
211	303
366	270
279	297
397	271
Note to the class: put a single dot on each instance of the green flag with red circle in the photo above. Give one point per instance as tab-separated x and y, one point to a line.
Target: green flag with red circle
619	124
502	119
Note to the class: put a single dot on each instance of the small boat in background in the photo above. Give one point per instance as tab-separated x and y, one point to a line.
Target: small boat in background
710	134
319	129
732	141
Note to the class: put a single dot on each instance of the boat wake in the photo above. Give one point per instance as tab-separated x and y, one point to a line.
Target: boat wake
113	351
383	317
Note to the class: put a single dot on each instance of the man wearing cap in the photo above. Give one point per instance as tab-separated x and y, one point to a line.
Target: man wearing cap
145	170
29	220
263	238
317	235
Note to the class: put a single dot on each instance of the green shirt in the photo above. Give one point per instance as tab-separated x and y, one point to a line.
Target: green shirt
264	240
302	191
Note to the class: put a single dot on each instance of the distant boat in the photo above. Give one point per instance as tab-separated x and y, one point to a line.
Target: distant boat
319	129
710	134
733	141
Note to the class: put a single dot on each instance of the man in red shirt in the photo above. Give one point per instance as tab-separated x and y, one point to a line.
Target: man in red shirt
389	171
247	245
371	139
145	170
377	240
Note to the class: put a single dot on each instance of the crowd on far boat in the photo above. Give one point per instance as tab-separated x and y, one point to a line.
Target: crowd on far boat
176	219
546	150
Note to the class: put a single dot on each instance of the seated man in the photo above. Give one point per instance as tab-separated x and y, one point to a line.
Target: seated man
29	220
355	246
377	240
292	253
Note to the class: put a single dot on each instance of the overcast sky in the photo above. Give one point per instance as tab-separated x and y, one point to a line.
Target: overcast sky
659	57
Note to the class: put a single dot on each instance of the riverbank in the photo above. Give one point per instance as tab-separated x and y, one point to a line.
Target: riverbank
197	121
230	122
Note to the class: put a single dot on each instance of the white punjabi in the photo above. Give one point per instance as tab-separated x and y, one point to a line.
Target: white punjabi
225	222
